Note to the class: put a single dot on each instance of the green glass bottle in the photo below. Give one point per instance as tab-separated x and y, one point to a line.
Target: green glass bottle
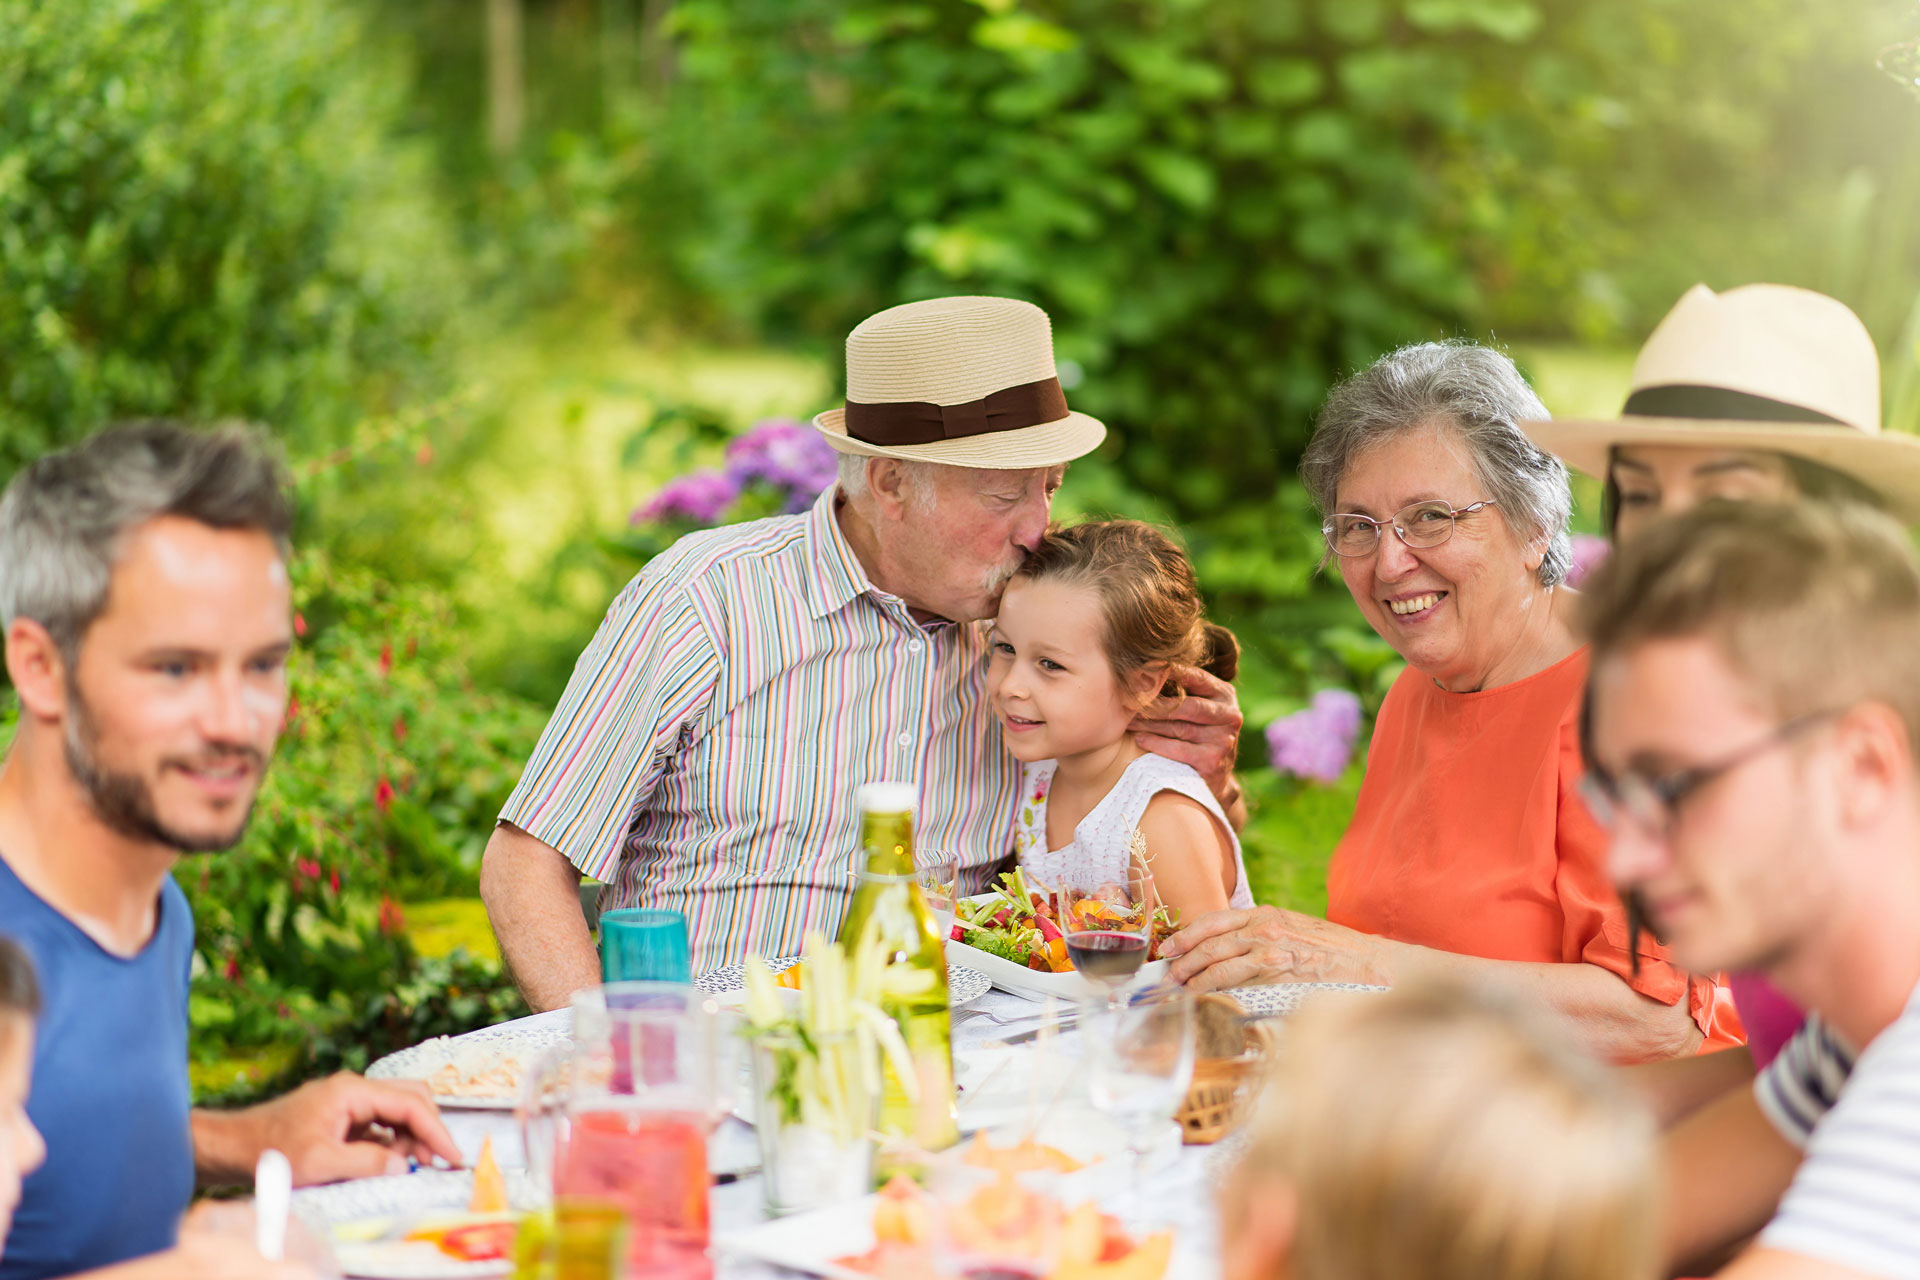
890	913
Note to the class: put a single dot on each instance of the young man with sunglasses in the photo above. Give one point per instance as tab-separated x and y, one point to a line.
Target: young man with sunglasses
1754	716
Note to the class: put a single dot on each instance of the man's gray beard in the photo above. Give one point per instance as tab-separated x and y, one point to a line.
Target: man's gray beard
122	801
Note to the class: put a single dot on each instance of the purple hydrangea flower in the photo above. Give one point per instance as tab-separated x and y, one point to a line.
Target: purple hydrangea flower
790	456
1588	552
1318	742
701	497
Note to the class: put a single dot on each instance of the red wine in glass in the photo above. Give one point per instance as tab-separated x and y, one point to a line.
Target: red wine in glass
1106	956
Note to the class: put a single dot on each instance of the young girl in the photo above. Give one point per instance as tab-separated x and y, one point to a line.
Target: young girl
1440	1132
21	1149
1089	632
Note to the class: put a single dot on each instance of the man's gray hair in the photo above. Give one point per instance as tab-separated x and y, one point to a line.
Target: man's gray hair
65	517
919	475
1476	392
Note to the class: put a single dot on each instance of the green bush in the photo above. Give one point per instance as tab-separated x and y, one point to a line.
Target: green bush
1226	203
388	777
204	211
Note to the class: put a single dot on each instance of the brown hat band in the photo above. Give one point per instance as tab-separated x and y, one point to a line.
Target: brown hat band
921	422
1682	401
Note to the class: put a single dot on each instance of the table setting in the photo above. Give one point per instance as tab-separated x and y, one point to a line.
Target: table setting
891	1102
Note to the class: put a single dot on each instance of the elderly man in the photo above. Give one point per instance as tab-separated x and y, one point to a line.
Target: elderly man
1754	716
705	754
148	616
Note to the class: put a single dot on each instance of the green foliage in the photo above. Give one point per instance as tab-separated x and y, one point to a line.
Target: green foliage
389	774
1291	830
1226	204
204	211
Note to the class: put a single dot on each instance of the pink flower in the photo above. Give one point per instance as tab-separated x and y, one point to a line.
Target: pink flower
1588	552
1318	742
787	455
702	498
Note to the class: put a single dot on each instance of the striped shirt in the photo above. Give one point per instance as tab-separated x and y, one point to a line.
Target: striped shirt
1855	1201
706	752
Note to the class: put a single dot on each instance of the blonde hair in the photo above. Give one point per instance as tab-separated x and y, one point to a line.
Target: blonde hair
1815	605
1441	1132
1149	600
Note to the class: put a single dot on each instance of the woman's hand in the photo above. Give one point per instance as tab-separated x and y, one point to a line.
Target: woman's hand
1243	948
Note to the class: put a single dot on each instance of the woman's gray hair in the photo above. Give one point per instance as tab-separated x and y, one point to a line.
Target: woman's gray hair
1473	390
65	516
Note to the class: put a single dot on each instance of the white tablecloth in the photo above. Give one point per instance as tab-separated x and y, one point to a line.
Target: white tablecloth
1184	1185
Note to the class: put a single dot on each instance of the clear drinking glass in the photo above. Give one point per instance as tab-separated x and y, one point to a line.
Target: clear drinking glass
1139	1050
617	1121
1108	924
939	875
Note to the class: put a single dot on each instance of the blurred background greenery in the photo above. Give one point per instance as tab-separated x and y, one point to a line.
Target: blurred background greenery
496	270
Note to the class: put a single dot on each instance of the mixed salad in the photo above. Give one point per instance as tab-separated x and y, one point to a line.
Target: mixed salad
1026	923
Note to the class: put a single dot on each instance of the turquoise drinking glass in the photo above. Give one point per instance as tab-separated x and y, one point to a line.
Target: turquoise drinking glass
644	944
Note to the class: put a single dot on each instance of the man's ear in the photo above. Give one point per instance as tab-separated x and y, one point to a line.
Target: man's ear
888	481
37	669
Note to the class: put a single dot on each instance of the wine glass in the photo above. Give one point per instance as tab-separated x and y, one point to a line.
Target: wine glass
1108	923
939	877
1140	1063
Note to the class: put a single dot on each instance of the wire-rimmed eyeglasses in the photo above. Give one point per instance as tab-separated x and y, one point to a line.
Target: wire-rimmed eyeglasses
1424	524
1653	804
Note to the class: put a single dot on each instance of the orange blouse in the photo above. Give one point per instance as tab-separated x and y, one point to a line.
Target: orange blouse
1470	837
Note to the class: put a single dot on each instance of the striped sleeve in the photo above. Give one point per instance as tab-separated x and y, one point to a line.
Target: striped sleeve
1856	1199
1803	1082
639	692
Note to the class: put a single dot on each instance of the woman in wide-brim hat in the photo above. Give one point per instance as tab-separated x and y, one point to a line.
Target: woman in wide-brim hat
1762	392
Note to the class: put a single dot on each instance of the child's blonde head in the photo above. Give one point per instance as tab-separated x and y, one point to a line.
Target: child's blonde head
1441	1132
1148	596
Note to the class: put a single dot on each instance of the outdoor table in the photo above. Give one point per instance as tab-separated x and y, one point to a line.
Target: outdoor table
1185	1186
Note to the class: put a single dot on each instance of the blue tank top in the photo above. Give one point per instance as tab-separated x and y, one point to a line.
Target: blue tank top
109	1090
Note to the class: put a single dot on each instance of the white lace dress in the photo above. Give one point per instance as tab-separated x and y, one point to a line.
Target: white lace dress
1101	841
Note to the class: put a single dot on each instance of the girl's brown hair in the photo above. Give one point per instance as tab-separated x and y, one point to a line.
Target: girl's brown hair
1147	594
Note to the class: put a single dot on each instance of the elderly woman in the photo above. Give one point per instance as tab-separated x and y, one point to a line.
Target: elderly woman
1470	852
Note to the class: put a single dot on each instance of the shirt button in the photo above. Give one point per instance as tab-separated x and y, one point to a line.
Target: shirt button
913	646
905	739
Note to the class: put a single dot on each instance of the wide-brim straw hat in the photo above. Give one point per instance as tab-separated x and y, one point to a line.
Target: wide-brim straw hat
969	382
1760	367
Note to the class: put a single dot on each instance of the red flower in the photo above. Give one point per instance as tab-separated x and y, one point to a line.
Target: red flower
291	714
333	879
386	660
383	796
299	624
393	920
232	970
399	728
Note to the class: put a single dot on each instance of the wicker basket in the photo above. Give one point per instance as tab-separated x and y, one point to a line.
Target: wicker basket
1219	1097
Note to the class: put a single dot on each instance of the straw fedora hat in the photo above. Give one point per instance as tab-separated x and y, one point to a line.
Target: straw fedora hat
969	382
1760	367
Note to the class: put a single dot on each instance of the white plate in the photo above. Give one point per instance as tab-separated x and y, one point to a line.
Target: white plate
375	1204
809	1241
514	1045
1031	984
964	984
1285	997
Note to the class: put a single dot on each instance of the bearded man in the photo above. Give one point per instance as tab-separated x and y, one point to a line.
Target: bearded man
143	585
